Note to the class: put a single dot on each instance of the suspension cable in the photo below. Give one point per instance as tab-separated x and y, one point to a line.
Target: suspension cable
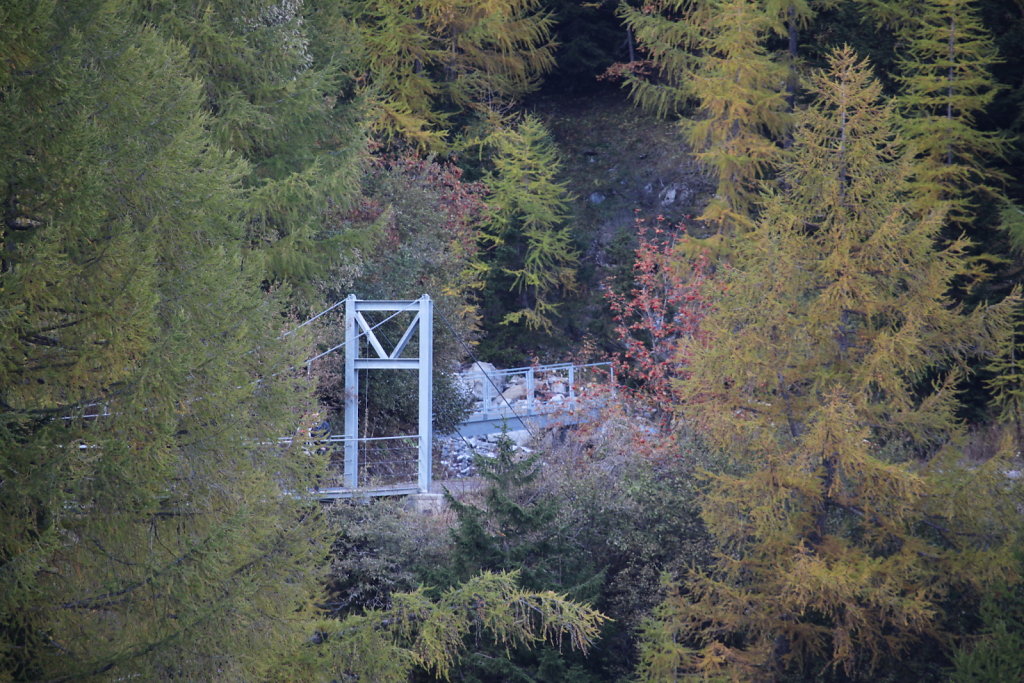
321	313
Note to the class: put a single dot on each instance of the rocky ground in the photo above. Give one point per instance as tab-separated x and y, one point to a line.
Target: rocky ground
456	455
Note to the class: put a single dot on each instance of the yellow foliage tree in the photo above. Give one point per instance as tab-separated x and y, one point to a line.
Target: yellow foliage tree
946	83
532	248
428	61
713	53
831	379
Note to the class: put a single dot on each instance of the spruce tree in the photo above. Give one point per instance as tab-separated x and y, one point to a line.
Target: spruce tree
830	375
996	654
515	528
512	529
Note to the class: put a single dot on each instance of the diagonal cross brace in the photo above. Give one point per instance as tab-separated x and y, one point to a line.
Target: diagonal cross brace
370	336
367	330
397	353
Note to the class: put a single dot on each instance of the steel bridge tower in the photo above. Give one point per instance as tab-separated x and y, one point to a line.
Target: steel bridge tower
422	326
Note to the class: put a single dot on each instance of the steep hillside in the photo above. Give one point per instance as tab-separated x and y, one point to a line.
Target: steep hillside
620	163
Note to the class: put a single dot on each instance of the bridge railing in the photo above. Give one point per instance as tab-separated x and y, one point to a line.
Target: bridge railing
535	390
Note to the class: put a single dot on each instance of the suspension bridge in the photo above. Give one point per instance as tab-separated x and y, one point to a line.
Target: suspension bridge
529	398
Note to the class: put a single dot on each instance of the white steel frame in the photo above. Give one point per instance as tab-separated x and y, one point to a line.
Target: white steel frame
356	325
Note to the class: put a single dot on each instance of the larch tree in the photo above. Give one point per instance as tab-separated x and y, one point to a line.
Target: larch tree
667	36
1006	382
150	526
495	52
433	64
829	375
715	52
789	16
417	633
279	86
531	246
399	53
18	44
741	110
945	83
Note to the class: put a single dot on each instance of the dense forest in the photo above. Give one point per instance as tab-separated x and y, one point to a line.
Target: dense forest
795	226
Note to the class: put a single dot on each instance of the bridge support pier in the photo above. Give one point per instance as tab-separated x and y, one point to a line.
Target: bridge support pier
426	503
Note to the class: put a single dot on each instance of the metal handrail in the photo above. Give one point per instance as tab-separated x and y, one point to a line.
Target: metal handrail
535	368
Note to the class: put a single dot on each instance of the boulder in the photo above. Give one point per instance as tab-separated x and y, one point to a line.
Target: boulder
481	367
514	393
478	376
520	437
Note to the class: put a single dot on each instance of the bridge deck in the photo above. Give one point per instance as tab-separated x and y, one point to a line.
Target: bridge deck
495	422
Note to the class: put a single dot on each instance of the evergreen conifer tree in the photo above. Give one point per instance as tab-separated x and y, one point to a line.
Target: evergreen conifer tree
508	532
996	655
834	348
516	529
